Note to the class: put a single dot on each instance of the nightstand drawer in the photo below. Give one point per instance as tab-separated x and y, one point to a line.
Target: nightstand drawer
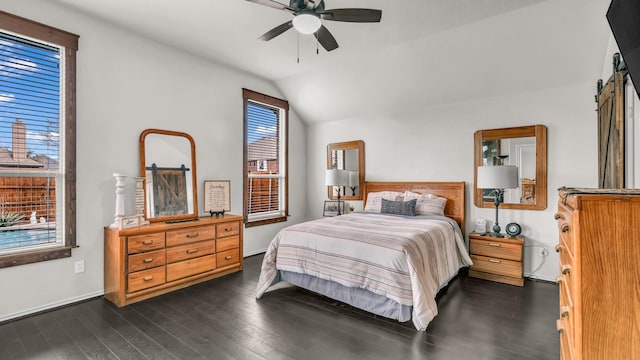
496	249
497	266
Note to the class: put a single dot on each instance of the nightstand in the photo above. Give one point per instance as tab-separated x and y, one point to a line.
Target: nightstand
497	259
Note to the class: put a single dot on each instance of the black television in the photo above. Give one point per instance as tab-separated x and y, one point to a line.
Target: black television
624	20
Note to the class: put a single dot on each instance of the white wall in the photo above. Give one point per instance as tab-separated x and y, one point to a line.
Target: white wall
436	144
126	84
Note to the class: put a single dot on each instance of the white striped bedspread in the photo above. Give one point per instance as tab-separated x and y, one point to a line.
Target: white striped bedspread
407	259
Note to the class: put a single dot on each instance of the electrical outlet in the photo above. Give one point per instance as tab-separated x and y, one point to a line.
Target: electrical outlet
544	252
79	266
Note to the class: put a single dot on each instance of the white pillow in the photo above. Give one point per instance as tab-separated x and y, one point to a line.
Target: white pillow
374	199
428	204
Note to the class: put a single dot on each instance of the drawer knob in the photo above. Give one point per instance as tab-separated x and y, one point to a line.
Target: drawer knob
148	260
566	269
192	251
559	326
559	280
148	278
558	216
191	236
495	261
147	242
564	311
495	244
558	248
228	257
228	229
565	228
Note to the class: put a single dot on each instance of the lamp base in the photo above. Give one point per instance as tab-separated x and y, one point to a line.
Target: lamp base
494	234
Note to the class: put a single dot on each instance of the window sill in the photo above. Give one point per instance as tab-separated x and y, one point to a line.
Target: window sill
273	220
34	256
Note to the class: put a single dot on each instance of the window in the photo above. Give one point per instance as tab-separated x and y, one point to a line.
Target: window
37	141
265	158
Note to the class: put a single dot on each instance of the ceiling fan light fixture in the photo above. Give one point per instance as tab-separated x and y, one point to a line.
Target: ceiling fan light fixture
307	23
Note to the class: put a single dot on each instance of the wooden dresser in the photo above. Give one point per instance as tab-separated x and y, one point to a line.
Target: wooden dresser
599	281
497	259
149	260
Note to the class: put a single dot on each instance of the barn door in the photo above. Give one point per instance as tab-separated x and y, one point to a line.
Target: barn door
610	99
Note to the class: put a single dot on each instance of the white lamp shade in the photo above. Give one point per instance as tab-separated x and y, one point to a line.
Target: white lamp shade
354	178
497	177
335	177
306	23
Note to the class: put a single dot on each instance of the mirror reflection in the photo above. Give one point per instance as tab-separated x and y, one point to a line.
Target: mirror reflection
523	147
520	152
167	161
347	156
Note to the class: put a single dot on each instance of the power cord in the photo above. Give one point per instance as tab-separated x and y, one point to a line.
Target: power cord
543	252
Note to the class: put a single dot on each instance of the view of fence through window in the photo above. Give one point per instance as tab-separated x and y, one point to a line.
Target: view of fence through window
263	157
30	98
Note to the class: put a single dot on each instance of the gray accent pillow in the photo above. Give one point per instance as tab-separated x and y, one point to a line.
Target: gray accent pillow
407	208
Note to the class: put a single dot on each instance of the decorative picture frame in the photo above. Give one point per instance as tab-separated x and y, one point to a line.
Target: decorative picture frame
331	207
217	196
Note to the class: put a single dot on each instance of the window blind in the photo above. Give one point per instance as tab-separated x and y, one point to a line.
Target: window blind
30	128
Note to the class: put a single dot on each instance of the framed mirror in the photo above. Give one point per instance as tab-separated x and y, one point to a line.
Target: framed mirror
347	156
526	148
168	165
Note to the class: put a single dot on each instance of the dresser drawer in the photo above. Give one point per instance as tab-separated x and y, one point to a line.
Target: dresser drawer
228	243
228	229
140	243
566	339
184	236
229	257
497	266
496	249
189	251
145	279
190	267
146	260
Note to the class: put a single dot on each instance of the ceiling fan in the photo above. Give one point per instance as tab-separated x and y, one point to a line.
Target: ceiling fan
308	16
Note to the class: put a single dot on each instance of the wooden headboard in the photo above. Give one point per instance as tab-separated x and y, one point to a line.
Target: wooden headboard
453	191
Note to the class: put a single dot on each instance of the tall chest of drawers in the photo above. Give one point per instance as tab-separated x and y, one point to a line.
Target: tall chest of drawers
599	281
149	260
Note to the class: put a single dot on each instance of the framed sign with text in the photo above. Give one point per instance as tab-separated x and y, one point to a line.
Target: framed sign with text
217	196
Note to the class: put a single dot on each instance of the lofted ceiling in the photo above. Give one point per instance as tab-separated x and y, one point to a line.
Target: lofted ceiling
423	52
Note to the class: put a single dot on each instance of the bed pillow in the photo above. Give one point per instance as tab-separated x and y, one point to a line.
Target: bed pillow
374	199
427	204
407	208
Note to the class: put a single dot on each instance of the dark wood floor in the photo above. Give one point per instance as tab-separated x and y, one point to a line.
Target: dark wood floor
221	319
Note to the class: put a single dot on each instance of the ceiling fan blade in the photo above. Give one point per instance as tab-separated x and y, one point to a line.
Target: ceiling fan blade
325	39
352	15
276	31
273	4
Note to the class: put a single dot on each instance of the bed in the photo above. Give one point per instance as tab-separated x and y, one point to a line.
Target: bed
392	265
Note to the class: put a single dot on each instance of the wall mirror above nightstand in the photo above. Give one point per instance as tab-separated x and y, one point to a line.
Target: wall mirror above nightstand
524	147
348	156
168	165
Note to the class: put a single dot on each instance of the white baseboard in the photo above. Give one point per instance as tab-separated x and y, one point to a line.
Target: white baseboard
255	252
50	306
537	277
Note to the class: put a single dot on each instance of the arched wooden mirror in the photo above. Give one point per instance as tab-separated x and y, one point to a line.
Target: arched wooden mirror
524	147
168	165
347	156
